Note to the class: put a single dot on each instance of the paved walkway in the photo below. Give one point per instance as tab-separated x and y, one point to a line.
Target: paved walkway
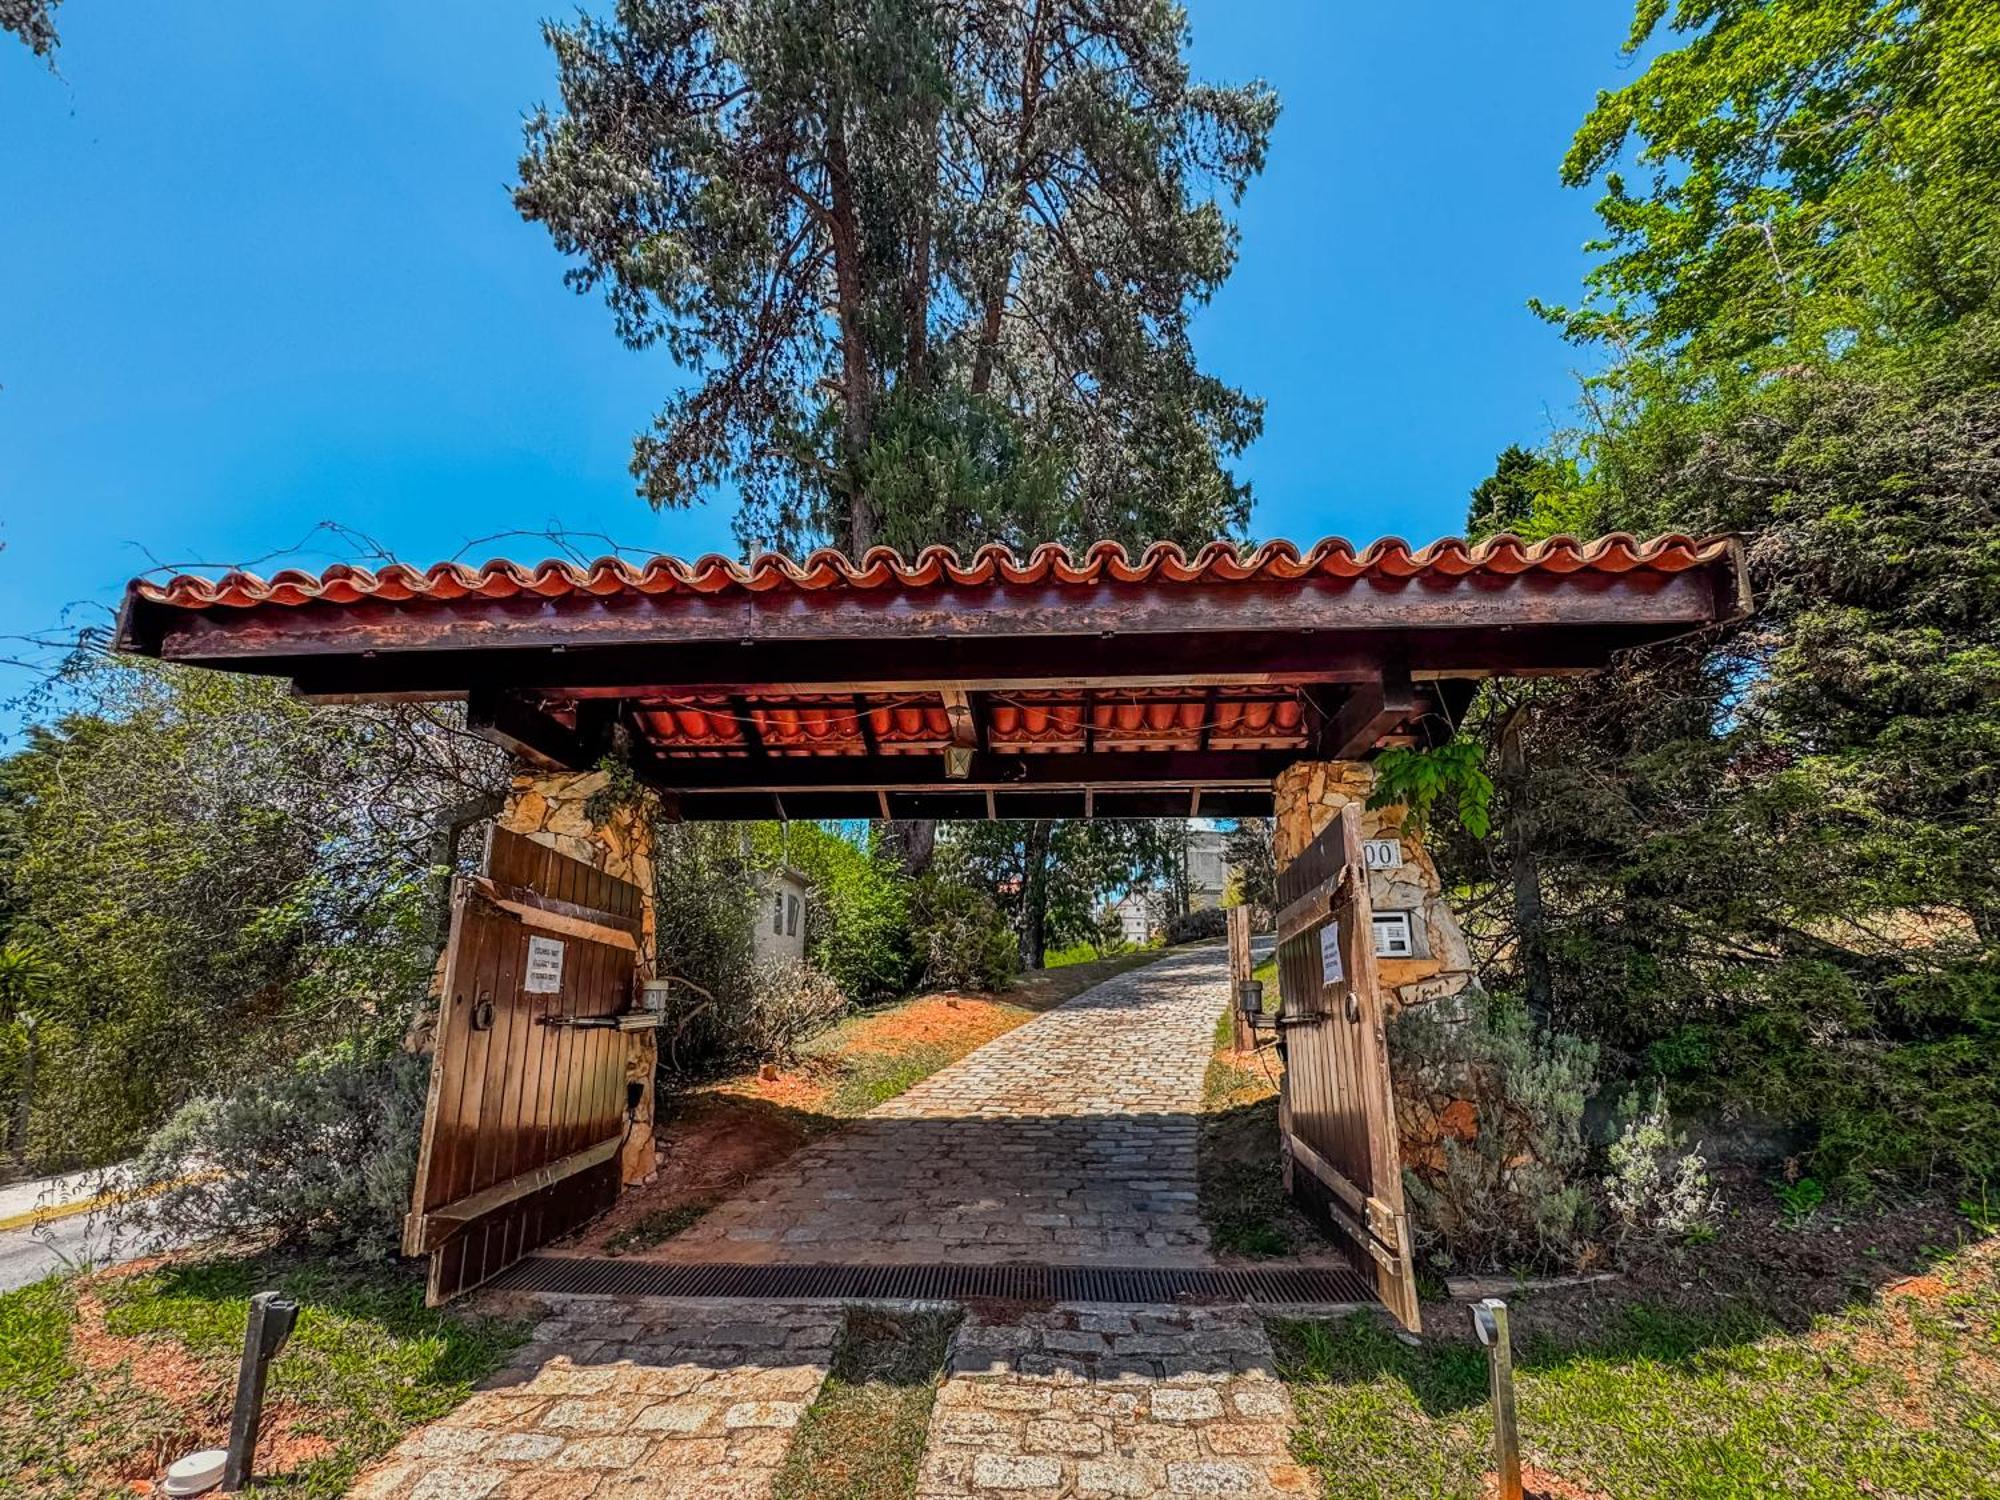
1067	1141
626	1399
1095	1400
1070	1140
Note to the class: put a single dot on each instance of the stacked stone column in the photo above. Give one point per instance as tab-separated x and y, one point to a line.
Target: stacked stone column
553	808
1310	795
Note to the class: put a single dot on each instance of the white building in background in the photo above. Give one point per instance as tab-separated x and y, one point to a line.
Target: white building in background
778	935
1136	916
1207	868
1140	913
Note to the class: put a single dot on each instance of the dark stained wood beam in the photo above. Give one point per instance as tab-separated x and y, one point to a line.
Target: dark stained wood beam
520	725
985	666
1181	769
961	803
1372	710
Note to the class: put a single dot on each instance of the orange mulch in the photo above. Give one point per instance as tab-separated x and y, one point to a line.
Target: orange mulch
947	1020
1540	1484
199	1393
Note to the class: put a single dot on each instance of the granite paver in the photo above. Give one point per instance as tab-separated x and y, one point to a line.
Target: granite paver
1070	1140
633	1398
1067	1141
1092	1399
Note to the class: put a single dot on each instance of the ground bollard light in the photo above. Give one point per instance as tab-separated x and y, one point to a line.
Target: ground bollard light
271	1318
1489	1321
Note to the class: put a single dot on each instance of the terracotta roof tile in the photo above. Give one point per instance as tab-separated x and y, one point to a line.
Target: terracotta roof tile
882	567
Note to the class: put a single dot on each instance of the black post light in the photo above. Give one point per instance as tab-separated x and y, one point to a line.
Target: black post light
272	1315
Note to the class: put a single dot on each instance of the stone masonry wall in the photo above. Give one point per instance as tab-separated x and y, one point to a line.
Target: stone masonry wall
551	807
1310	795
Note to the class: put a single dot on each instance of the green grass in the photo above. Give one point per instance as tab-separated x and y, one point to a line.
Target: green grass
1896	1405
863	1438
871	1078
366	1363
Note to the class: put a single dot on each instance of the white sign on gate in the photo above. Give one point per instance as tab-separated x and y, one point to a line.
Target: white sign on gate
545	966
1330	971
1382	854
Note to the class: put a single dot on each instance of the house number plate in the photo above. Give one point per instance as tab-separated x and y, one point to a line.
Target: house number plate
1382	854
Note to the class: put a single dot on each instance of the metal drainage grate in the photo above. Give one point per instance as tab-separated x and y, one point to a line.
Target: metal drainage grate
1014	1283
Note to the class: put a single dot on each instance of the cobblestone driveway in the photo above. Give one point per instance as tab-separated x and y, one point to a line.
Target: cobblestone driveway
1068	1141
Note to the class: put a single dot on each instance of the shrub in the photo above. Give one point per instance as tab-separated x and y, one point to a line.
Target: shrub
322	1156
1198	926
789	1002
1492	1109
705	906
1655	1184
960	935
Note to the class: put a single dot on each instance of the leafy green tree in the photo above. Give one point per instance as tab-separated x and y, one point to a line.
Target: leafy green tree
1765	862
1506	499
930	266
25	982
1816	174
218	878
1050	875
1253	865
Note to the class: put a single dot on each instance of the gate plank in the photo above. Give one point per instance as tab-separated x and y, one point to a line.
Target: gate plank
1337	1106
524	1121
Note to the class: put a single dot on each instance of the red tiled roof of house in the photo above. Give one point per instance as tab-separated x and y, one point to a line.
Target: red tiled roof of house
883	567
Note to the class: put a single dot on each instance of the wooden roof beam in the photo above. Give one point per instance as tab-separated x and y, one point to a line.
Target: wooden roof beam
520	725
1105	770
1372	710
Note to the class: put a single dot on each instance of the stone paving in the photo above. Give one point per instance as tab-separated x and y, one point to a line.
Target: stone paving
1089	1399
1067	1141
626	1399
1070	1140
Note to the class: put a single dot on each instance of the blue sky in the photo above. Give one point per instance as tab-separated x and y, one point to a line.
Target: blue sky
258	270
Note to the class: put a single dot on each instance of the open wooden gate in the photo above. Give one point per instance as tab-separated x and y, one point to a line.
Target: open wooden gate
1337	1112
528	1106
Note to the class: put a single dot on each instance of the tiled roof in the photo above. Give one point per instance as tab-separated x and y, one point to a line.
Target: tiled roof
882	567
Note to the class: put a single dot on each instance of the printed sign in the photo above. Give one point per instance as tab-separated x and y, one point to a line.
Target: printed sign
1330	970
1382	854
545	961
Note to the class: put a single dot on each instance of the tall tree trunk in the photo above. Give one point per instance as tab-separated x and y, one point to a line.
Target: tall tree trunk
1525	871
993	299
1035	895
914	843
855	380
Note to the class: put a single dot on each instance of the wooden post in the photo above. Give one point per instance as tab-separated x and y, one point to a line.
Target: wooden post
1241	1037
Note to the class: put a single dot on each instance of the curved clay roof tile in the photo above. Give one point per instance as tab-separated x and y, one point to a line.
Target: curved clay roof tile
1217	563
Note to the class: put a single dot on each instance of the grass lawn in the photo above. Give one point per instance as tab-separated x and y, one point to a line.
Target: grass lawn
1898	1398
107	1378
863	1438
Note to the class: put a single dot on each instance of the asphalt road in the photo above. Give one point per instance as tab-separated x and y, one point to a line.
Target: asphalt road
29	1253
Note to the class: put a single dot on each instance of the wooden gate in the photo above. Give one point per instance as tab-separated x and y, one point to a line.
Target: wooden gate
1337	1112
528	1107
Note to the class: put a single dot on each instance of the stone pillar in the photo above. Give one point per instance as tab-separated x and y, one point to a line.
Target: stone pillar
552	807
1310	795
